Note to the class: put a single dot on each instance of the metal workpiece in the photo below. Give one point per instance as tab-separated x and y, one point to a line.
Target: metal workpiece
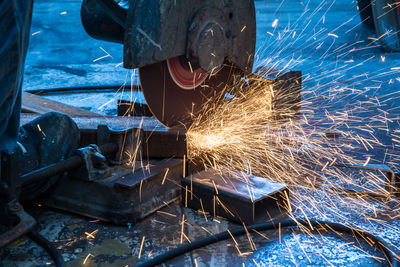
137	143
165	144
234	195
129	194
156	143
131	108
157	140
286	86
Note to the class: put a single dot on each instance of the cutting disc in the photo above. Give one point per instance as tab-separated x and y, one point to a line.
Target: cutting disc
176	94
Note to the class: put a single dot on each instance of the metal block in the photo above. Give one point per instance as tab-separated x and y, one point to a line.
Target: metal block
130	108
234	195
130	194
164	144
286	85
287	100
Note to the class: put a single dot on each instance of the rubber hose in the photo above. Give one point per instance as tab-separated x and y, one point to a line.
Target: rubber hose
269	226
44	243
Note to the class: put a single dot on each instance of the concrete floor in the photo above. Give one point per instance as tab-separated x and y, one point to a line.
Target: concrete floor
331	48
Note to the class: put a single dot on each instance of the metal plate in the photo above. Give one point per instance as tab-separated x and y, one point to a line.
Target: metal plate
175	106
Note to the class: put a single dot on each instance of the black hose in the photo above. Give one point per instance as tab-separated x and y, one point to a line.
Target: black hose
391	257
44	243
93	88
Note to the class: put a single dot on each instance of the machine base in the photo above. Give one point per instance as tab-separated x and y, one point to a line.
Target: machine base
128	195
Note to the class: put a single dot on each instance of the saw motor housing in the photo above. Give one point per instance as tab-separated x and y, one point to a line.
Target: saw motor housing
207	32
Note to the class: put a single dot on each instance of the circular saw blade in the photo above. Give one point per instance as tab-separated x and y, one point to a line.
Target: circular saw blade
173	100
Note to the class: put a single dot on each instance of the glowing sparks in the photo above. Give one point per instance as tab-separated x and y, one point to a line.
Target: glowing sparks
254	132
165	176
166	213
182	228
87	258
105	56
92	234
202	209
275	23
184	167
141	247
40	129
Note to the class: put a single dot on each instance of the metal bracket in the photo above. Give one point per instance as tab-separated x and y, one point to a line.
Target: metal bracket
12	212
94	165
25	223
392	185
285	84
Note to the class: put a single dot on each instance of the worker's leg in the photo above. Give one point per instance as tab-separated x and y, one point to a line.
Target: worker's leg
15	22
46	140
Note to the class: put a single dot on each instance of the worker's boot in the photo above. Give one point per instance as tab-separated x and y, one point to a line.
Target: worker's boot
46	140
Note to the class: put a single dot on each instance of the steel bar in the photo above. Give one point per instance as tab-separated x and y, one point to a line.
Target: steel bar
62	166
